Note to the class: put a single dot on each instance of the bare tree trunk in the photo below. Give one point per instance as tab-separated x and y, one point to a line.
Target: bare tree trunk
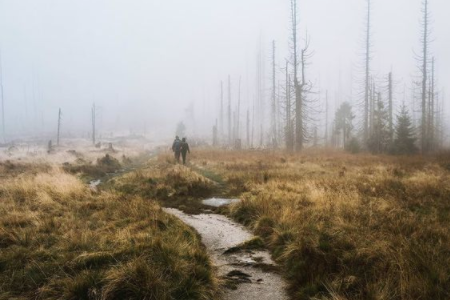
93	124
367	73
326	118
253	124
372	109
289	132
299	134
221	131
3	101
248	128
234	128
299	106
238	117
274	99
215	131
59	127
424	76
229	111
260	94
431	112
391	108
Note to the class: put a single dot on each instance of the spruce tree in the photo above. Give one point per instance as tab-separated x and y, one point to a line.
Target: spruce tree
344	122
380	136
405	139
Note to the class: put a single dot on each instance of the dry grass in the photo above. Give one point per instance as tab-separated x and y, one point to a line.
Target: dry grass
60	240
87	170
346	226
172	185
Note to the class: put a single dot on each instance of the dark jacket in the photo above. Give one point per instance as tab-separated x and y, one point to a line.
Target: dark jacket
185	147
176	146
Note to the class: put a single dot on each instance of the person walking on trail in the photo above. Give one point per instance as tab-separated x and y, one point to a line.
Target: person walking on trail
184	150
176	148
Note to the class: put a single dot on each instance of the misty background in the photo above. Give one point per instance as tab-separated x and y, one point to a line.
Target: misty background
149	64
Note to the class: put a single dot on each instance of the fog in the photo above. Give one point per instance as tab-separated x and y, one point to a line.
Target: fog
148	65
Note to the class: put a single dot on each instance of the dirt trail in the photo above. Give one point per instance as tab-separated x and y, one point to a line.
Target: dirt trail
220	234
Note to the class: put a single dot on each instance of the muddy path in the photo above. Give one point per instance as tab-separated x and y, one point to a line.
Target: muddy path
250	275
246	274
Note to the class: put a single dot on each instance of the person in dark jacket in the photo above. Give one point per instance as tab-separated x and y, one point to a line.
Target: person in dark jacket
184	150
176	148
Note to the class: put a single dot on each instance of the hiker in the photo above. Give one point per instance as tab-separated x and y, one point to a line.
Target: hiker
176	147
184	150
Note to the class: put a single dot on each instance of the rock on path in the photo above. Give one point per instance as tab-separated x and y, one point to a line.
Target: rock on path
219	234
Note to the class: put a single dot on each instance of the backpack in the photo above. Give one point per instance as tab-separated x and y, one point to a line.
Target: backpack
177	146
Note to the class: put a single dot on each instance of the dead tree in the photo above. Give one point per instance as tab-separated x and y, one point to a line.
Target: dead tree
425	42
298	88
288	106
93	124
229	111
248	128
326	118
301	86
391	107
221	131
59	127
279	115
3	101
431	110
367	58
260	109
372	96
253	124
274	99
440	112
215	139
238	113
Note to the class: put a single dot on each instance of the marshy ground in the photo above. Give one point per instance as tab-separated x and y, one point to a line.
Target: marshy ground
337	226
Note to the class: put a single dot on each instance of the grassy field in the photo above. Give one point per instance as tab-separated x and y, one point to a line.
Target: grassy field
341	226
345	226
61	240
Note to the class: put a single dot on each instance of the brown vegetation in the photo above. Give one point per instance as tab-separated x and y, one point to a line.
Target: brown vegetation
60	240
103	166
172	185
346	226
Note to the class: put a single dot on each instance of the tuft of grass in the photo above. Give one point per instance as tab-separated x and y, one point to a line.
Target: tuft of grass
255	243
172	185
346	226
102	167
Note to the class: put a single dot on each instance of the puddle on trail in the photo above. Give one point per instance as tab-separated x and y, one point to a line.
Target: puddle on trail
218	202
94	184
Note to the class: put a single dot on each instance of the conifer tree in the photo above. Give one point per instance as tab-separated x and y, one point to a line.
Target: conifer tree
405	140
344	122
380	136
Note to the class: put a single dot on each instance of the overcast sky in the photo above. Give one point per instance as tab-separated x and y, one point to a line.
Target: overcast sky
144	62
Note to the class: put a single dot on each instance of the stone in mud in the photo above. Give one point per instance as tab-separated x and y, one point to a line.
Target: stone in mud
239	276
